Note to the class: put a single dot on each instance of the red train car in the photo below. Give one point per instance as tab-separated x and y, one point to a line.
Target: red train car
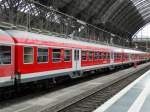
36	57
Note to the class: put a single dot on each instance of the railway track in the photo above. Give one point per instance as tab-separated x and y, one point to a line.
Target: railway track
96	97
28	96
37	89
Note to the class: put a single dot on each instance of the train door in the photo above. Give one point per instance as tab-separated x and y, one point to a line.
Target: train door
111	57
77	59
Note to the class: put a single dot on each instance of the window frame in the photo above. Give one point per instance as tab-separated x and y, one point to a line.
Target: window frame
47	52
118	55
105	55
91	55
11	54
100	55
85	55
97	58
32	55
60	55
67	55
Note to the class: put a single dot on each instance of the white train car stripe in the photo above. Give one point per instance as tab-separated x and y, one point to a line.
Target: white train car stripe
52	72
38	74
4	79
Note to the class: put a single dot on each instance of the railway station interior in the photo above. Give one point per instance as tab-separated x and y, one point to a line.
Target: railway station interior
74	55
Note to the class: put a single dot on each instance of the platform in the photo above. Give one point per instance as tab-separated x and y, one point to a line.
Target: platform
38	103
134	98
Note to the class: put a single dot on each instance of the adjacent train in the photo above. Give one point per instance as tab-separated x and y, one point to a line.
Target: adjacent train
27	57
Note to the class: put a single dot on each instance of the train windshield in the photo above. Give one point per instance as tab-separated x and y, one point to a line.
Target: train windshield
5	55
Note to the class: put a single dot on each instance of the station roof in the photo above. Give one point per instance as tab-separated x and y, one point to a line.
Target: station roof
118	16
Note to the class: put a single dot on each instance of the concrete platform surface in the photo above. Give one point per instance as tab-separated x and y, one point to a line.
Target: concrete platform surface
134	98
36	104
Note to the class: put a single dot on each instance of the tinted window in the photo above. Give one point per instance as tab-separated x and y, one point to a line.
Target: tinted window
42	55
95	55
5	54
90	55
84	55
56	55
28	55
67	55
105	55
118	55
100	55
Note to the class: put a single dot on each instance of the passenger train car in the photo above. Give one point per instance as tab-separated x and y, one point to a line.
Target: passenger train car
27	57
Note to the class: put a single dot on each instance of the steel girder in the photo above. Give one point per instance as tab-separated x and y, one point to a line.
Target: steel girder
97	18
127	15
124	14
92	10
61	3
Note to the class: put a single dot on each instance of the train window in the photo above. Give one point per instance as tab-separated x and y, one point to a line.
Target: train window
115	55
90	55
28	55
5	55
84	58
42	55
105	55
76	55
121	55
56	55
125	56
100	55
95	55
67	55
118	56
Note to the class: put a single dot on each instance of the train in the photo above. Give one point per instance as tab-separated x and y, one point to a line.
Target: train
28	57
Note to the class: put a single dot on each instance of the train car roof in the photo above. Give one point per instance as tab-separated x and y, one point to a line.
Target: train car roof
5	38
133	51
26	36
